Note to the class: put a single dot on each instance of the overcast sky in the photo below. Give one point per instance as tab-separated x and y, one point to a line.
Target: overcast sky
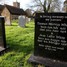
23	3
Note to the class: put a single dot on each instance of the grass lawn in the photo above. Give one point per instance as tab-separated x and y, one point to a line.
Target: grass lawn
21	43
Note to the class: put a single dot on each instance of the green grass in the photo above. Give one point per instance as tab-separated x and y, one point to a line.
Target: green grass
21	42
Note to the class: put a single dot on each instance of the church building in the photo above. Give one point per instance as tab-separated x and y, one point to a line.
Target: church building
11	12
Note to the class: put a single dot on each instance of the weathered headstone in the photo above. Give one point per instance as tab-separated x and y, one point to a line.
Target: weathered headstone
7	21
2	34
27	19
22	21
50	47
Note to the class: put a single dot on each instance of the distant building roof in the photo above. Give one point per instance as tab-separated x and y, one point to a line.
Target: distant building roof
1	7
15	10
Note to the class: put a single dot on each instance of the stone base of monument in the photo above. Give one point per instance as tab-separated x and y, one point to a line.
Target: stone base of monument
47	62
3	50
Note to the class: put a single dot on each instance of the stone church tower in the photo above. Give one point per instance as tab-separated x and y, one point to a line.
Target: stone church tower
65	6
16	4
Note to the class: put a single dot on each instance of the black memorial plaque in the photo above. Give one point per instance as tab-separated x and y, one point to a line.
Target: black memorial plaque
2	33
51	36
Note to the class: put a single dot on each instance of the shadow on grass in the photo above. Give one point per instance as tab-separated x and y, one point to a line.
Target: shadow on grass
29	27
14	25
27	49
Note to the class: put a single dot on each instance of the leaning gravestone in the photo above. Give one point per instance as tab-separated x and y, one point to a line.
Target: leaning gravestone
2	35
50	47
22	21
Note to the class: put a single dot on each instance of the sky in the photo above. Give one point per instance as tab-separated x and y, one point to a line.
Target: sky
23	3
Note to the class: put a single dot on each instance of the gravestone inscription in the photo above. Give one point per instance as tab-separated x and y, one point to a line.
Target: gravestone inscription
51	35
2	34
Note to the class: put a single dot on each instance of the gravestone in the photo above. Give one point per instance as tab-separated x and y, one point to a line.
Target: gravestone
50	46
2	35
27	19
22	21
7	21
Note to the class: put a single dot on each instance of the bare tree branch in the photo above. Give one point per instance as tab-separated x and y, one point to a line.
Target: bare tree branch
47	5
40	3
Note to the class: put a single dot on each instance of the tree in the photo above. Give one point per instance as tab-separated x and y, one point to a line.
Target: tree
46	5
